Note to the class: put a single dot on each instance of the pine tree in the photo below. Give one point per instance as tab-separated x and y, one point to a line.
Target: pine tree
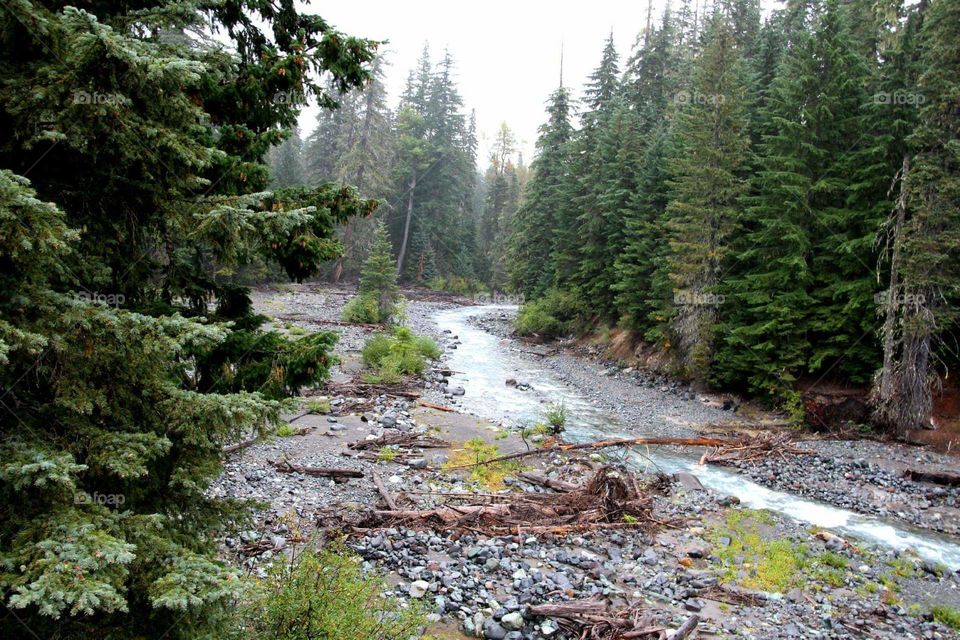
114	416
707	184
801	298
286	163
547	196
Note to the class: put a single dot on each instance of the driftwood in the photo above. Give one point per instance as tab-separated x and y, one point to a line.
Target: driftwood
357	387
763	445
686	628
610	500
935	477
550	483
286	466
230	448
438	407
400	440
592	619
602	444
378	483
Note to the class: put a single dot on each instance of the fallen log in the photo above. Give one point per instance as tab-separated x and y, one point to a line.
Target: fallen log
601	444
934	477
285	466
575	608
438	407
550	483
686	628
230	448
378	483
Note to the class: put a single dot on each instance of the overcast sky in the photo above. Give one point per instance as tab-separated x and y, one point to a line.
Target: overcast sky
507	53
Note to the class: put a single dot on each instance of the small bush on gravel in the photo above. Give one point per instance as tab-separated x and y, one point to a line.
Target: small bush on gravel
318	406
361	309
552	316
948	616
326	595
556	417
398	354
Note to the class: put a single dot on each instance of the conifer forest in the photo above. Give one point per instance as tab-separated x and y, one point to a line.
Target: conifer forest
307	335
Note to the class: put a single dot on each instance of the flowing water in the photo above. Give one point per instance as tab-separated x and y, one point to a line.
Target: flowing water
488	361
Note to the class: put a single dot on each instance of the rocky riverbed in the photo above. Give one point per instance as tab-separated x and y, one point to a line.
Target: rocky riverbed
744	573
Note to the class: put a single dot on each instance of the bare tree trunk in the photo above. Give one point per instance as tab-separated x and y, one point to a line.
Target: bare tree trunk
902	398
406	225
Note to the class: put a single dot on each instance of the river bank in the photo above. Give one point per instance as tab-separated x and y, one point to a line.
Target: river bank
744	573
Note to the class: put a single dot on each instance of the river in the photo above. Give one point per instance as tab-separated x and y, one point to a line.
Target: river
488	361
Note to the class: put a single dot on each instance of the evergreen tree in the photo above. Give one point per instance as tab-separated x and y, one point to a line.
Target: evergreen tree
286	162
547	196
121	381
802	296
707	184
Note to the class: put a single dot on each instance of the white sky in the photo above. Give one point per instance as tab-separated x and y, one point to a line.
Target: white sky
507	53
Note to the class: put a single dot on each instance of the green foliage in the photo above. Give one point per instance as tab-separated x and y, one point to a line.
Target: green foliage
476	451
326	595
318	406
286	430
397	354
457	284
556	416
555	314
130	353
379	294
949	616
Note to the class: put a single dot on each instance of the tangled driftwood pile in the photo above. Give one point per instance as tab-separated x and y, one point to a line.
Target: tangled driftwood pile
611	499
762	445
593	620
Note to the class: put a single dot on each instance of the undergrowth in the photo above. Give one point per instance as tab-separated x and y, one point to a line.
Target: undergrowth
391	356
326	595
477	450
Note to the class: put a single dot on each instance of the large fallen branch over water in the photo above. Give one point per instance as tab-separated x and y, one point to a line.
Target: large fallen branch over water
602	444
756	447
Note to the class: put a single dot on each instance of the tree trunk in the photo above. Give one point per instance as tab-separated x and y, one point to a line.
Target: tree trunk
901	397
406	225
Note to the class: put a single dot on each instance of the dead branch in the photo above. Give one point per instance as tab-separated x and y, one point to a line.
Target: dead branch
550	483
400	440
286	466
230	448
378	483
686	628
438	407
601	444
750	448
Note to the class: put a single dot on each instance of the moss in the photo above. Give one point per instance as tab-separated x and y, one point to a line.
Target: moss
768	564
903	567
388	453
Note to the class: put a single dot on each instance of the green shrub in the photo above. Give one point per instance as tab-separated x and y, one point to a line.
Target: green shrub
401	353
286	430
318	406
361	308
457	284
326	595
554	315
948	616
556	416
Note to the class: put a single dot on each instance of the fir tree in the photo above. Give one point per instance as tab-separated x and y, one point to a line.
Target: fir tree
121	381
707	184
